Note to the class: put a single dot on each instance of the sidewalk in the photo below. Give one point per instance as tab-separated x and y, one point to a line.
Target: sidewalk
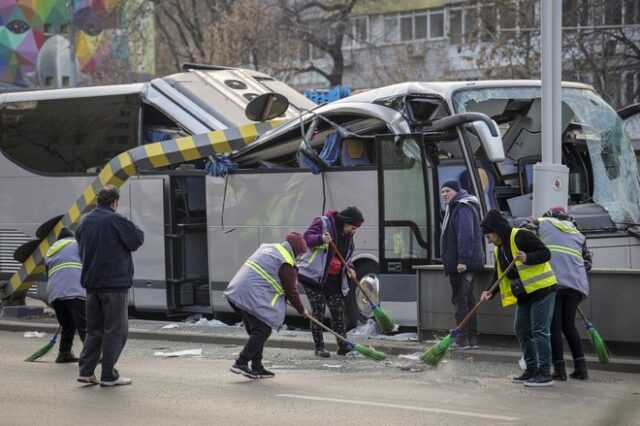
301	339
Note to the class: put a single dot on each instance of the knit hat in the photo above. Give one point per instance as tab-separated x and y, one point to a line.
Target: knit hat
452	184
351	216
495	222
65	233
296	242
557	212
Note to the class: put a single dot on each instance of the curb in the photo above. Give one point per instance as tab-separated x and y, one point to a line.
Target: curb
624	364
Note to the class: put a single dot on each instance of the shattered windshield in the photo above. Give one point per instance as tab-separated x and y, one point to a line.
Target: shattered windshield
616	185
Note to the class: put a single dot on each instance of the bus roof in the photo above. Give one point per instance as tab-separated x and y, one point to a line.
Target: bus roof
444	88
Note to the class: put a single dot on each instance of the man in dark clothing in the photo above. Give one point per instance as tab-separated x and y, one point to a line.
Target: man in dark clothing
106	240
531	284
258	292
461	252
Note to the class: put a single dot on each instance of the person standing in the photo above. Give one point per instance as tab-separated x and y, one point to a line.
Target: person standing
258	292
462	255
65	293
106	240
570	260
531	286
322	273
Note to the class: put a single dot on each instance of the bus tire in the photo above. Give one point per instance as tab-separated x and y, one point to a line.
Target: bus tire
353	313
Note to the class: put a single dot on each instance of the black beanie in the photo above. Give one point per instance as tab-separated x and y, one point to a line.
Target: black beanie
65	233
495	222
351	216
452	184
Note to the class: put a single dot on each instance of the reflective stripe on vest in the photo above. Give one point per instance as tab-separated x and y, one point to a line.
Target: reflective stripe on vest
533	277
64	265
59	245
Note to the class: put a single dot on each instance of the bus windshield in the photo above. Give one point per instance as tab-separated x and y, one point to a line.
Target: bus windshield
596	146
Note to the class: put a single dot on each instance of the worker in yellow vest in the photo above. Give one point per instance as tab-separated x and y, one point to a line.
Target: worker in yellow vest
531	287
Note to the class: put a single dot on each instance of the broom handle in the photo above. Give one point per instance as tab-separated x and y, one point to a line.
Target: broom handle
581	314
491	289
324	327
344	262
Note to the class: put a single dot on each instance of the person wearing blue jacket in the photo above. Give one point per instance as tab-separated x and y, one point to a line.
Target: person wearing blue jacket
65	293
106	240
462	255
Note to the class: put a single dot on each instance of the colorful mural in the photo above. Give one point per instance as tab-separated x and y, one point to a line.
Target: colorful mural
114	41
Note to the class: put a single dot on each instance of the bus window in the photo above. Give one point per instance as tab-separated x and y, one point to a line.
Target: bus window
69	135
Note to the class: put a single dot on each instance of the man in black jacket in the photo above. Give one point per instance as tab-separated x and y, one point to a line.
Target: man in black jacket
532	285
106	240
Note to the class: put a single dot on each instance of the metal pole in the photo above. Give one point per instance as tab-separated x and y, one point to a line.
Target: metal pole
550	176
73	78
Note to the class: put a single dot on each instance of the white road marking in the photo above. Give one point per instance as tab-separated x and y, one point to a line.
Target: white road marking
401	407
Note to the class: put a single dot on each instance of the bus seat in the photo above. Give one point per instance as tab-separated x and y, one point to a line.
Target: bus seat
487	183
354	153
525	173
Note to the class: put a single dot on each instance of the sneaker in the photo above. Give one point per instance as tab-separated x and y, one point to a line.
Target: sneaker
92	380
539	380
120	381
473	343
262	373
66	357
244	370
527	375
322	352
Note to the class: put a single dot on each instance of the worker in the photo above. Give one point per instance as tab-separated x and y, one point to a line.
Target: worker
259	293
570	260
65	293
323	275
531	286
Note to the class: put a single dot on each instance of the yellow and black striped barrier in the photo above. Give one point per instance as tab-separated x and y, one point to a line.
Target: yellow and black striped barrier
122	167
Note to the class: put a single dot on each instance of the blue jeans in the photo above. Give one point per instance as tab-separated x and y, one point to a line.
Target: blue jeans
463	301
532	327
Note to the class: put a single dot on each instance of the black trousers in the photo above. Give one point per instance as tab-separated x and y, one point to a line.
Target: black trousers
319	298
71	317
107	331
463	301
258	333
564	322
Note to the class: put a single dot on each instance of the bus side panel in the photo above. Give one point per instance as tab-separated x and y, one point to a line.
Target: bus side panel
264	207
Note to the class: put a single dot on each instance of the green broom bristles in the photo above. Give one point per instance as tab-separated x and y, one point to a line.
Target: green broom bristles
600	347
435	354
369	352
45	349
384	320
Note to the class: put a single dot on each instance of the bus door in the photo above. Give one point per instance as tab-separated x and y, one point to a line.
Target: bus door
406	190
187	272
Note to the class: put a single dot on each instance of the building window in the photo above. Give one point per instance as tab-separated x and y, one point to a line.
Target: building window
420	27
455	26
631	12
436	24
406	28
391	29
357	35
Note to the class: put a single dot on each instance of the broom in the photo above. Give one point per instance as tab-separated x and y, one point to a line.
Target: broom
369	352
45	349
383	318
602	351
435	354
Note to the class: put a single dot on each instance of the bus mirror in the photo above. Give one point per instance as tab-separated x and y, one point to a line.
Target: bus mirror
266	107
491	144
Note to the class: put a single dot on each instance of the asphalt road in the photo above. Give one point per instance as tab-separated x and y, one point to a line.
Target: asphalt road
306	390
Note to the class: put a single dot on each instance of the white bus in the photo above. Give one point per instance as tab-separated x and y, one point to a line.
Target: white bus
386	151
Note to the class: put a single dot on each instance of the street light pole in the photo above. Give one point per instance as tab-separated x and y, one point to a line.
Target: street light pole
73	78
550	176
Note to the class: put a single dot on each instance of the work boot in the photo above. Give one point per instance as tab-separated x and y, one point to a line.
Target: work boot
580	369
559	372
66	357
322	352
527	375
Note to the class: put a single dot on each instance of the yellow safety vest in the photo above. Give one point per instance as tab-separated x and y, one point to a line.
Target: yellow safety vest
533	277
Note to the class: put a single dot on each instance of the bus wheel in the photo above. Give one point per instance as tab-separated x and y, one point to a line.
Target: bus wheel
357	307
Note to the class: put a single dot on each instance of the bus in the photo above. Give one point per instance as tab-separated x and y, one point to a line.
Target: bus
386	151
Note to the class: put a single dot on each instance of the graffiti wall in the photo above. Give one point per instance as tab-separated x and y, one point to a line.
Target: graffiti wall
113	42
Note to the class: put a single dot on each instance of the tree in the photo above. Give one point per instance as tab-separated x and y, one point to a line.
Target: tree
322	25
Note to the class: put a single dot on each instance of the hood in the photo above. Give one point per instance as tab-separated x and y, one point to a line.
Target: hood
495	222
463	197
